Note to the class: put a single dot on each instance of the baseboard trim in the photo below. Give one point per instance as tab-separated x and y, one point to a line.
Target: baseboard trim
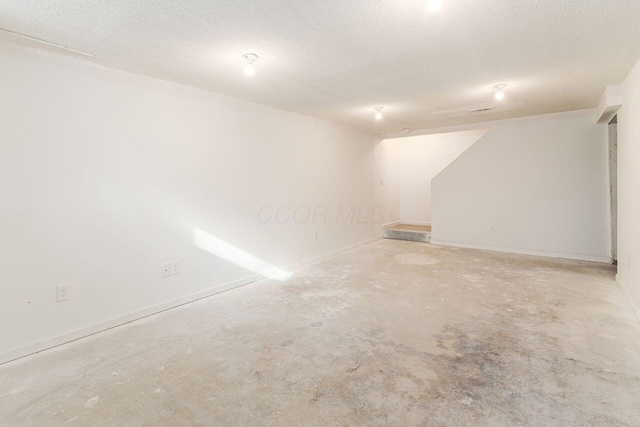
390	224
575	257
635	307
117	321
328	255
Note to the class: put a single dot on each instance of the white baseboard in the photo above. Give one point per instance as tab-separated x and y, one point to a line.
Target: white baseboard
102	326
328	255
634	304
576	257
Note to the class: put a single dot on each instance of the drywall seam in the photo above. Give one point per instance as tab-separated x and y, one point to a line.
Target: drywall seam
634	305
576	257
115	322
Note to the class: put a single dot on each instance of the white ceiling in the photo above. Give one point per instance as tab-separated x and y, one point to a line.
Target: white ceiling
338	59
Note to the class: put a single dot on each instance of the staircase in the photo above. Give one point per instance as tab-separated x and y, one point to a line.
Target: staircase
412	233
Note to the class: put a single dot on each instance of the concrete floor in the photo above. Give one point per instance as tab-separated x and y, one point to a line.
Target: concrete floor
393	333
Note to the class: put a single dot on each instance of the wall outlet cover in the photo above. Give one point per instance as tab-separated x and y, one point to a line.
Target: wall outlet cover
166	270
175	267
63	292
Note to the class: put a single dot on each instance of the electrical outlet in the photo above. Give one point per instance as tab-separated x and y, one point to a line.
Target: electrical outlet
63	292
382	182
166	270
492	228
175	267
315	235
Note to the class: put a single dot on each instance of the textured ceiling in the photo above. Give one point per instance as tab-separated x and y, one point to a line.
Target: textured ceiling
338	59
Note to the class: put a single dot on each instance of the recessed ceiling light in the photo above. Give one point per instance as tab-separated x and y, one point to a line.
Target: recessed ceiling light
500	91
379	113
249	59
434	5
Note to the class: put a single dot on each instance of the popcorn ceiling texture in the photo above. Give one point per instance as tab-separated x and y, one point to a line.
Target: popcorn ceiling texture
337	60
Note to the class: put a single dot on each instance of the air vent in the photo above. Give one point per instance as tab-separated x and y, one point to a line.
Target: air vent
481	109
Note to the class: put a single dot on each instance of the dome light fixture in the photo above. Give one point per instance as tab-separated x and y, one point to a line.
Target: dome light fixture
379	113
434	5
500	91
249	59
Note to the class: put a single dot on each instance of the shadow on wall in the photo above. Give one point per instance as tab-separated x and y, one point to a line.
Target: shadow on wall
420	159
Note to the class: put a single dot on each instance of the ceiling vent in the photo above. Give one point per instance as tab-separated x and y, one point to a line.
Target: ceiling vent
481	109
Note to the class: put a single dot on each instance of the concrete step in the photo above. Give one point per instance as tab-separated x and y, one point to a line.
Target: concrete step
412	236
408	232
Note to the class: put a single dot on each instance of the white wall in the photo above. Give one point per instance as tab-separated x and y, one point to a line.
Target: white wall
420	159
543	183
629	186
387	197
105	175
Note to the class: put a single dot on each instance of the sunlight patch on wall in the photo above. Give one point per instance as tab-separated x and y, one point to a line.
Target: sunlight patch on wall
234	255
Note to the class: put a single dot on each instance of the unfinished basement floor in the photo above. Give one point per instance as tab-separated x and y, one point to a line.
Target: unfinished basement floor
392	333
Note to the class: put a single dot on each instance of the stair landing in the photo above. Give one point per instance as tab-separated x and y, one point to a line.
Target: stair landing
413	233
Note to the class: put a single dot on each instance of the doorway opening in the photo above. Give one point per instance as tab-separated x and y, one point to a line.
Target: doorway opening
613	186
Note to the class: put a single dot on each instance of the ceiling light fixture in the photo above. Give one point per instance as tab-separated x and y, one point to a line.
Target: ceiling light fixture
249	58
434	5
379	113
500	91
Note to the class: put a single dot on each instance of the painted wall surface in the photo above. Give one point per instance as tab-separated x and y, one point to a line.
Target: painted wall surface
542	183
421	158
387	196
105	176
629	186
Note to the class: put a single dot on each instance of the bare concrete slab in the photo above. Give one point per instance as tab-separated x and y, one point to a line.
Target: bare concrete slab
393	333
